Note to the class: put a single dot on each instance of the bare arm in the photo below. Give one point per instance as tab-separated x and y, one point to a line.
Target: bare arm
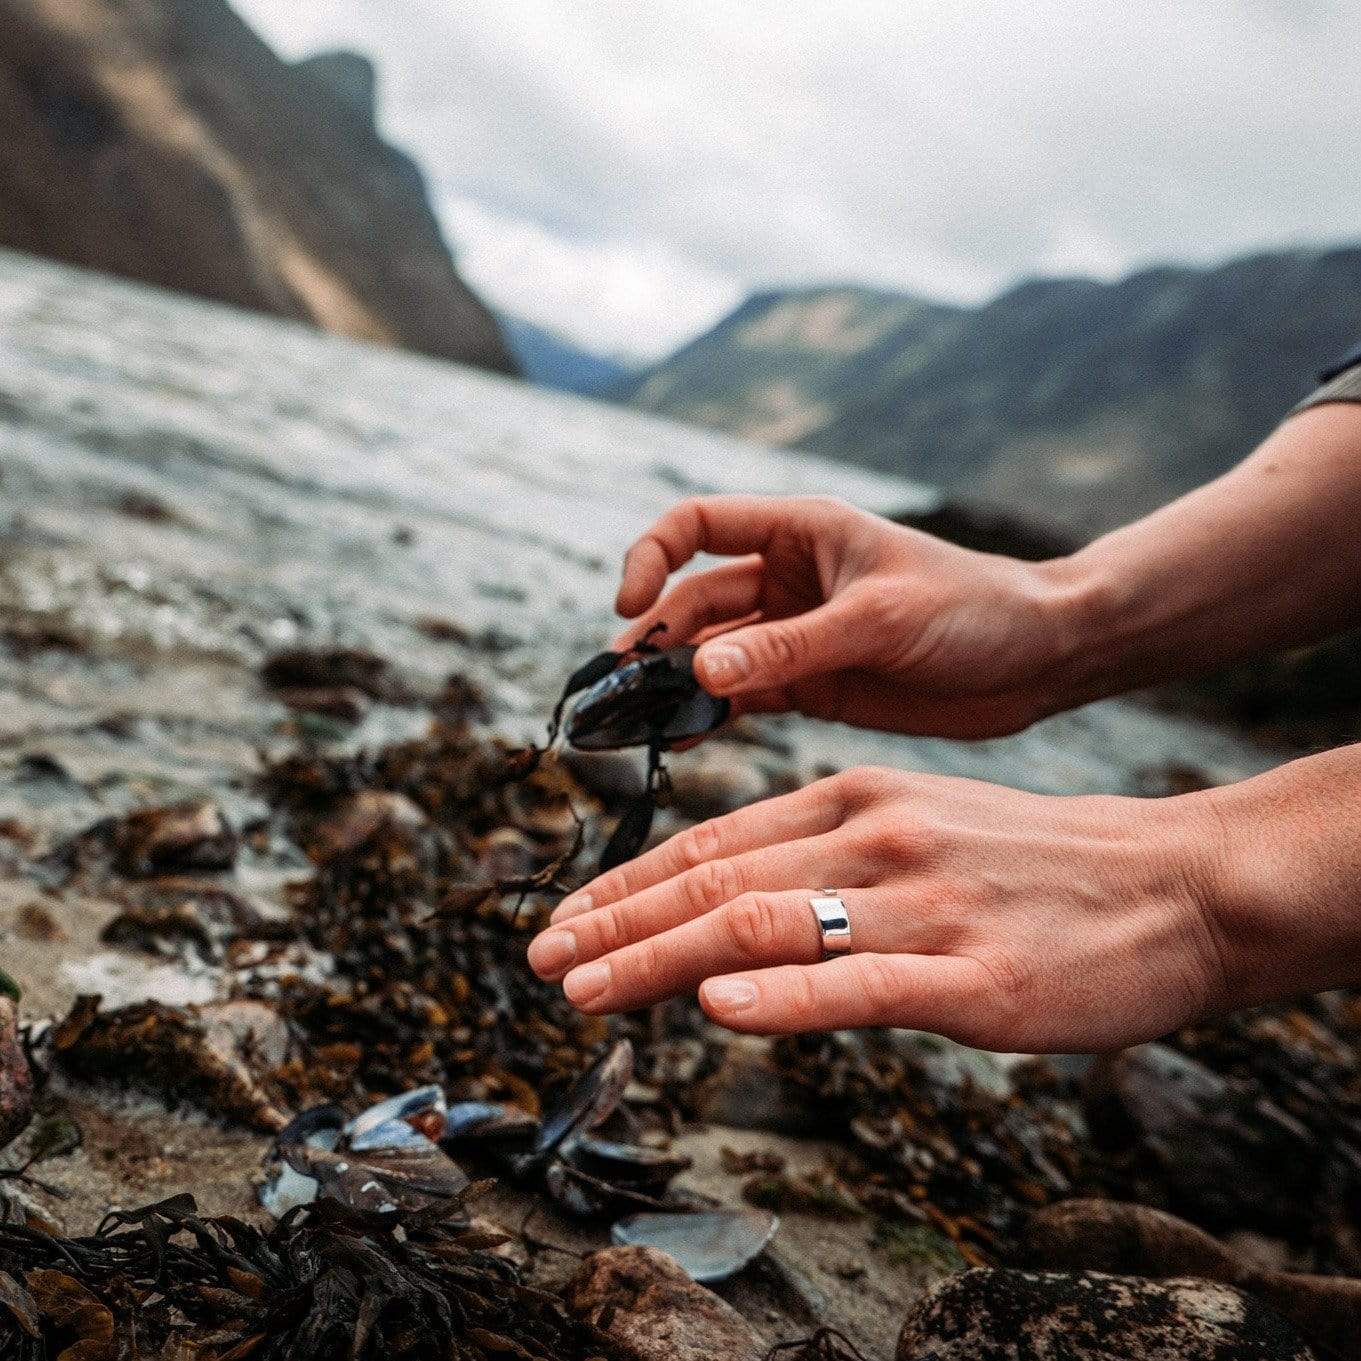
1267	556
1005	919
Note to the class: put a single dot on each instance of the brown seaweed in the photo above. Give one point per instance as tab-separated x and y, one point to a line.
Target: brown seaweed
323	1282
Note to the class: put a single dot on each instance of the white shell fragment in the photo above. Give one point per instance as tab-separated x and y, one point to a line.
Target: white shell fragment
710	1245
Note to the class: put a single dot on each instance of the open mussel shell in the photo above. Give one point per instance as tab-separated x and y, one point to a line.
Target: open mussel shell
589	1197
630	1164
381	1161
590	1100
409	1107
286	1185
490	1120
709	1245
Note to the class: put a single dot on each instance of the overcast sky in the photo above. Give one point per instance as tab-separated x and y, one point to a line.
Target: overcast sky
624	172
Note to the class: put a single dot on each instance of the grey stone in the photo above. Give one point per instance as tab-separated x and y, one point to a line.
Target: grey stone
1003	1315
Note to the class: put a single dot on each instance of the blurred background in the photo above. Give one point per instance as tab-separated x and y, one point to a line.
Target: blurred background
1066	257
1057	262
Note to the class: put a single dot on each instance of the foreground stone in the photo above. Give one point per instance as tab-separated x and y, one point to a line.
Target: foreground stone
999	1315
655	1312
1108	1235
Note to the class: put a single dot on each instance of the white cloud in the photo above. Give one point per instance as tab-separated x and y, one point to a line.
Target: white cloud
669	155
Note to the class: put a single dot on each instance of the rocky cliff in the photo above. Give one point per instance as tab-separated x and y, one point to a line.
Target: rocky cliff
1086	402
164	141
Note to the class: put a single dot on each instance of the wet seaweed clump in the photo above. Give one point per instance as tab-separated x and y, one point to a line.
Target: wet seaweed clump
323	1282
433	859
931	1146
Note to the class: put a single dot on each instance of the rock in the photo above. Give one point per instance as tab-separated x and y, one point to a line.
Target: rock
1003	1315
182	836
716	780
355	820
316	670
653	1311
1230	1151
162	140
1107	1235
16	1082
347	703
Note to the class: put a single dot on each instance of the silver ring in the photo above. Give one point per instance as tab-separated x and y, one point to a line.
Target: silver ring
834	922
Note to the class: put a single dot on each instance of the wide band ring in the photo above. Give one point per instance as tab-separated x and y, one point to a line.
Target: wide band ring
834	922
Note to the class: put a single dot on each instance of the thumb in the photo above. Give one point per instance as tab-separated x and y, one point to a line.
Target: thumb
767	656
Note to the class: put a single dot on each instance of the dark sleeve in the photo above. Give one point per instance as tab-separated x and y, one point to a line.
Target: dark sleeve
1339	382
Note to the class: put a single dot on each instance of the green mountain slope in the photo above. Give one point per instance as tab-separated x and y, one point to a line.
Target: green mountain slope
1087	403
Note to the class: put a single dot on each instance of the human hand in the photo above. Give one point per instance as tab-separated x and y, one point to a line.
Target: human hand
846	616
1006	920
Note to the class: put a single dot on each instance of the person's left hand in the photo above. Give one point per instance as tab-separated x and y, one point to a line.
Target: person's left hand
1006	920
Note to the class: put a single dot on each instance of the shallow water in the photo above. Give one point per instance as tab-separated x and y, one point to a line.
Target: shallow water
187	487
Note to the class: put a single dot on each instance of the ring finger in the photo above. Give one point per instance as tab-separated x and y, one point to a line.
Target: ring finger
753	930
688	896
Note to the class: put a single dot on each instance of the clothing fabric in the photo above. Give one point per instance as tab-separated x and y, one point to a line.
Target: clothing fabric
1339	382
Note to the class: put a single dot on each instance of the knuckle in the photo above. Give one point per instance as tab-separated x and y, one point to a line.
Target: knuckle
609	930
826	505
784	645
801	1000
699	844
713	883
879	984
877	838
753	924
866	784
1002	1001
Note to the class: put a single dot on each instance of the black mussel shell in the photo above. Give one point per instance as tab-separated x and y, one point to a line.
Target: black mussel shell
630	1164
587	1102
653	700
490	1121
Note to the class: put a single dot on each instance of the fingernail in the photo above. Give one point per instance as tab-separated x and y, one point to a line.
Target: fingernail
730	994
552	952
588	982
725	664
571	907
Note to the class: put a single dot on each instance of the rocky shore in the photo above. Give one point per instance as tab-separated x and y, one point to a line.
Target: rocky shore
277	610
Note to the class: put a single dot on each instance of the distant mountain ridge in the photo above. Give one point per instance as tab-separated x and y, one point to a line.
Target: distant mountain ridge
164	141
1086	402
551	360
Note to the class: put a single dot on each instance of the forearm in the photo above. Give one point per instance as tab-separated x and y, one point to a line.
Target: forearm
1283	883
1267	556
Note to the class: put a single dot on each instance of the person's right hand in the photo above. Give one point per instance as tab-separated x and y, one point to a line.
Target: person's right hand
842	615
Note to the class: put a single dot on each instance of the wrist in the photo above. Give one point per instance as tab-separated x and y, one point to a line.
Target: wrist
1282	879
1080	607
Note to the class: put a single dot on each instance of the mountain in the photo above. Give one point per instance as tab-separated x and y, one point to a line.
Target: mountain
164	141
1086	402
553	361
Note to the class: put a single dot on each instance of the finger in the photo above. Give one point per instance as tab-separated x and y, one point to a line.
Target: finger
753	931
692	894
768	656
917	992
700	601
727	525
810	811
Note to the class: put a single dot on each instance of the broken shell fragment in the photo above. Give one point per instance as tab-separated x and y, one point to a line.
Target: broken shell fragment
710	1245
